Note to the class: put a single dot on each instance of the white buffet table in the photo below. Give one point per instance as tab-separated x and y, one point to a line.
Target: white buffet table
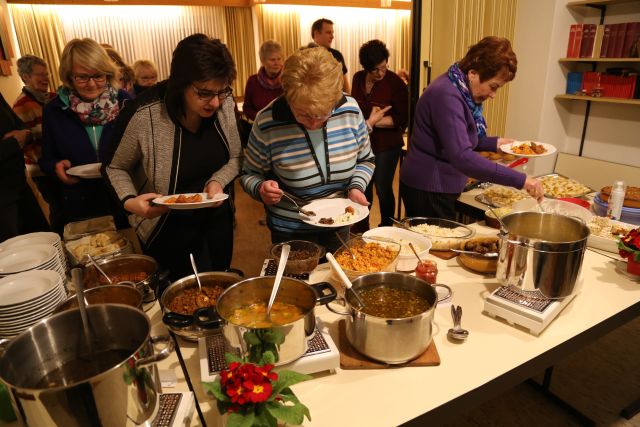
496	357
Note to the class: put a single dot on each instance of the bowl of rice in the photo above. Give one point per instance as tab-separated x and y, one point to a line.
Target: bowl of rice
443	233
372	255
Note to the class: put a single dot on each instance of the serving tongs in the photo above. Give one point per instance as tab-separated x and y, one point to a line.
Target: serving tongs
302	211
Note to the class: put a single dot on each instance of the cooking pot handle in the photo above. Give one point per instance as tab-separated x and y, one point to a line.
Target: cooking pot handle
336	311
323	298
207	318
177	320
161	355
449	291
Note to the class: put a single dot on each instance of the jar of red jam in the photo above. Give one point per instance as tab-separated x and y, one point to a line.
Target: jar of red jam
427	271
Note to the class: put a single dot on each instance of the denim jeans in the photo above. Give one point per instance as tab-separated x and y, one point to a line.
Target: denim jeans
386	163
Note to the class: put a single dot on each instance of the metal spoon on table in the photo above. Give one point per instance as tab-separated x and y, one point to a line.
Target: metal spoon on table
204	297
457	333
284	256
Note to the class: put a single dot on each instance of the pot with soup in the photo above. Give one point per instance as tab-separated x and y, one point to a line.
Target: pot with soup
242	313
395	324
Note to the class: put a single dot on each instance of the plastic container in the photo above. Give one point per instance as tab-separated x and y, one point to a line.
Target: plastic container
616	200
629	215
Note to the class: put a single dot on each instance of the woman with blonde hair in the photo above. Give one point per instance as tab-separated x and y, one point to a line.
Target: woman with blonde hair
266	85
77	126
311	142
145	75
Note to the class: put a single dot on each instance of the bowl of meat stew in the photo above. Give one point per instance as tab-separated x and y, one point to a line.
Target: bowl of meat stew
484	258
187	311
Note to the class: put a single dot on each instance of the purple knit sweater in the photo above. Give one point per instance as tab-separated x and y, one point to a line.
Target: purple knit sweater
442	152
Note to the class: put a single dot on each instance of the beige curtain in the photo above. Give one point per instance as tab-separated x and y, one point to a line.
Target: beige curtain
458	24
280	23
241	44
39	32
150	32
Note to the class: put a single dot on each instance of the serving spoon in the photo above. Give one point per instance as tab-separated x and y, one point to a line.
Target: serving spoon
101	271
343	277
204	298
284	256
486	255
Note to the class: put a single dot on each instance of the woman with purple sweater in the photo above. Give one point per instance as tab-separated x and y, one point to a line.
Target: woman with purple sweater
449	129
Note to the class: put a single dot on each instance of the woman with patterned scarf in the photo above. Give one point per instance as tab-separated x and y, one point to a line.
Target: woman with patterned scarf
77	126
449	129
264	87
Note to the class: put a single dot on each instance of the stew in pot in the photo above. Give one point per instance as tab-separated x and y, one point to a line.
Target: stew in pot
189	300
392	303
255	315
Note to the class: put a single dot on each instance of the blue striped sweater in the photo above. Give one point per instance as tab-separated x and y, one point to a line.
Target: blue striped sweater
280	149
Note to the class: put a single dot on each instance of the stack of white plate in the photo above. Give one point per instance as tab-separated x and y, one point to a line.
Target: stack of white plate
30	257
26	298
42	237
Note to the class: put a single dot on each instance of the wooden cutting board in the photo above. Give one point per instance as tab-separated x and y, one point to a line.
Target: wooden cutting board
443	254
351	359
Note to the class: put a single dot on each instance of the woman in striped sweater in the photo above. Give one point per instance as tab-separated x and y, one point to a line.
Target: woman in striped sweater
311	142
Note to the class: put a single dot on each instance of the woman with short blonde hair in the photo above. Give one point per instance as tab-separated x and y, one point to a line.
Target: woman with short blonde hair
311	142
312	77
77	126
89	53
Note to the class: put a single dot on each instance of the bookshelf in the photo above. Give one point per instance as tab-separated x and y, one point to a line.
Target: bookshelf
581	8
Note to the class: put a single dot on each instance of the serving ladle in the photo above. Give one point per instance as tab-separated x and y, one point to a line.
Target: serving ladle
457	333
76	276
284	256
101	271
343	277
204	297
502	225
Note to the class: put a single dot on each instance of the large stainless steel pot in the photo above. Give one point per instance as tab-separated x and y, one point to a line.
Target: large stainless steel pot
392	341
194	325
291	291
54	380
542	252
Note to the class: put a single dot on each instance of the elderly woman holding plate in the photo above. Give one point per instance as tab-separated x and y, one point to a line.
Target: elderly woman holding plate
312	143
449	130
77	126
181	136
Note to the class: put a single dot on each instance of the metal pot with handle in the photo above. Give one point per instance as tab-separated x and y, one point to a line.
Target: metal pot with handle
56	379
391	340
542	252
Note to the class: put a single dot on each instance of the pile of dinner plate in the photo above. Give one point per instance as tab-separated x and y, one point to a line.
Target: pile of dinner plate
28	297
39	238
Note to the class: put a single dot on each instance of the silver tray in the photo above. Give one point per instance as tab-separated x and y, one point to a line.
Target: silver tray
558	175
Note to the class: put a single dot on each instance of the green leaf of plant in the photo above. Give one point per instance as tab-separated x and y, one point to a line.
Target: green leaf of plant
275	336
287	379
238	420
251	338
229	358
269	358
290	414
265	419
215	388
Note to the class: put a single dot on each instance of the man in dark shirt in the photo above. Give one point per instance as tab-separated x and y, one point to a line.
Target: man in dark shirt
322	34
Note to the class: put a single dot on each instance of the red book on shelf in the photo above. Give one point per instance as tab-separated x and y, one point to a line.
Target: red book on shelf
606	39
632	36
619	40
577	42
588	37
590	80
572	38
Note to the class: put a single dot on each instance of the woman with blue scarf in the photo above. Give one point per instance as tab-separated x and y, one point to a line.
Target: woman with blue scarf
449	130
76	130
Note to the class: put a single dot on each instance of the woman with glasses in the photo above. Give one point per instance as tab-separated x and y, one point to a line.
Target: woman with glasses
383	99
181	136
449	129
77	126
311	142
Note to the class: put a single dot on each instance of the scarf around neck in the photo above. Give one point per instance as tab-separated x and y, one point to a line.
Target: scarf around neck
100	111
270	83
41	97
460	81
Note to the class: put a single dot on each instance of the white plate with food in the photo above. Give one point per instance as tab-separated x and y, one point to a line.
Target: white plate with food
189	200
528	149
331	213
88	171
606	232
